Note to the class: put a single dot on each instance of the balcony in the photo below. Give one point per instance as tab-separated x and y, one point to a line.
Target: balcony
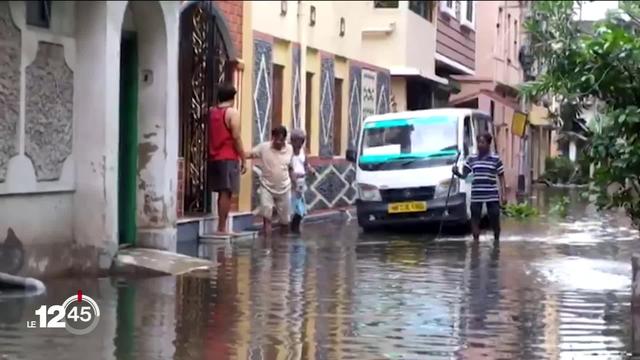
402	35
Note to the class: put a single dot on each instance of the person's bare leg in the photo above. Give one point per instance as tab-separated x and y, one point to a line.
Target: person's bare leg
476	214
266	227
224	205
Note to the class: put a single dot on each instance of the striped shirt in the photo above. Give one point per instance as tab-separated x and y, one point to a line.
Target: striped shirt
485	170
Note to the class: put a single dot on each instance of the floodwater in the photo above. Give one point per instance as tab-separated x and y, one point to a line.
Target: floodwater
552	289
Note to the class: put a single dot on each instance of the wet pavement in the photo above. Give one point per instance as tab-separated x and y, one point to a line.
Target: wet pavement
552	289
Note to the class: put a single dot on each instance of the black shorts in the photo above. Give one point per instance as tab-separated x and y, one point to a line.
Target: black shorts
223	176
493	211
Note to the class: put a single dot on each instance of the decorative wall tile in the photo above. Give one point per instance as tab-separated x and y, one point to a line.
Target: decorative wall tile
327	81
296	94
334	186
355	75
368	96
384	82
49	111
262	85
10	45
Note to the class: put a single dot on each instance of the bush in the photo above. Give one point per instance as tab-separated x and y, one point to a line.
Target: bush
520	211
559	206
559	170
602	63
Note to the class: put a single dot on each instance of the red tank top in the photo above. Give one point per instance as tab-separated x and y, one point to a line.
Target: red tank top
221	144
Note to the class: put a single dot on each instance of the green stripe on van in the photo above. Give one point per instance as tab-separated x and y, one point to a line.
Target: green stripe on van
366	159
405	122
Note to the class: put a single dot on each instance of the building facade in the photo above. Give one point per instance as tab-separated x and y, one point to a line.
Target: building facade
311	70
492	87
97	136
391	29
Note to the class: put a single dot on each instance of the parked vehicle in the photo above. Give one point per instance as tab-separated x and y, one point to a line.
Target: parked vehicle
403	166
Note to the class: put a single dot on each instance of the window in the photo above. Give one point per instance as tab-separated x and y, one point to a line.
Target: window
38	13
381	4
422	8
508	43
308	109
337	117
467	13
448	7
498	43
468	136
515	39
276	109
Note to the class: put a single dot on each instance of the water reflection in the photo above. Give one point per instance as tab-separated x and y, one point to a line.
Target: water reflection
550	290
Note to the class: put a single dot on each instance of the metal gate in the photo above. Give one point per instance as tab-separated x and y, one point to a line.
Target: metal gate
204	63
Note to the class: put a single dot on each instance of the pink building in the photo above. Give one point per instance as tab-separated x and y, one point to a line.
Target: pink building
493	87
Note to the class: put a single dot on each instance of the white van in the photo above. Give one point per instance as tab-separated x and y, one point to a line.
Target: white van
403	166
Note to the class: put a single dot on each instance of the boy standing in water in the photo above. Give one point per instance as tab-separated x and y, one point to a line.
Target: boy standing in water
487	170
300	167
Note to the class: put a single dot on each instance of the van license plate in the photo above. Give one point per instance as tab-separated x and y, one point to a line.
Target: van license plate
407	207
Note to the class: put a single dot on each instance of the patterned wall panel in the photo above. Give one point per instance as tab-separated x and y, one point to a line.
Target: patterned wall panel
333	187
262	84
355	75
10	42
327	81
49	111
383	85
296	86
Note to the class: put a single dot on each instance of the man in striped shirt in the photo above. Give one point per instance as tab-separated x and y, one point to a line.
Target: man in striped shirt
486	169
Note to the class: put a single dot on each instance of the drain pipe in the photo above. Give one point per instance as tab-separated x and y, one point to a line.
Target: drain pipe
302	65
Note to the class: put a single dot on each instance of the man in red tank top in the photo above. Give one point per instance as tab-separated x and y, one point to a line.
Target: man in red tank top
226	154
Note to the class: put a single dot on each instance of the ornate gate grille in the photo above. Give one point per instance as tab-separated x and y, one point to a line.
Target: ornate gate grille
203	65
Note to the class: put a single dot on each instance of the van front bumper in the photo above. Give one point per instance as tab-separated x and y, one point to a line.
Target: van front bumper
375	213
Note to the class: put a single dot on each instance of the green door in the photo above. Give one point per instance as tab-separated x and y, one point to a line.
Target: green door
128	139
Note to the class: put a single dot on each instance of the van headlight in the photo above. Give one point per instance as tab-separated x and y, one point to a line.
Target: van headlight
442	189
368	192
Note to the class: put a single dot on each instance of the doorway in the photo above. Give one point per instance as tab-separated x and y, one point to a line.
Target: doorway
128	139
204	63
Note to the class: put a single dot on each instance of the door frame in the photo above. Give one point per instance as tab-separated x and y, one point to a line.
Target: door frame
128	140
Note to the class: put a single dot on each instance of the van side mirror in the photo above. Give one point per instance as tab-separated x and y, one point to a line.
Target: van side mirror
351	155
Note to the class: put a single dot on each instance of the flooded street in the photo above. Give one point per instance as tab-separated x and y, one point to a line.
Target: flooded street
553	289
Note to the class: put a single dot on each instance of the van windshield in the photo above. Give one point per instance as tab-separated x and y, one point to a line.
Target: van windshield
409	143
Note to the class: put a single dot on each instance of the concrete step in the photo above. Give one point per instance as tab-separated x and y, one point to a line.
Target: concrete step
156	262
219	238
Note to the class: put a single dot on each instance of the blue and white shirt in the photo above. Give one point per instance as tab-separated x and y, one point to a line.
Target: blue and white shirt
485	170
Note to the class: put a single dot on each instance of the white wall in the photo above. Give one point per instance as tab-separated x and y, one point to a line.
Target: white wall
21	177
72	222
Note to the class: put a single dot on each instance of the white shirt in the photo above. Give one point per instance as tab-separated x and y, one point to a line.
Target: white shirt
297	162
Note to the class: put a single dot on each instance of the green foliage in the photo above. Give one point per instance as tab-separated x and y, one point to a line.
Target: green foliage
600	63
520	211
559	170
560	206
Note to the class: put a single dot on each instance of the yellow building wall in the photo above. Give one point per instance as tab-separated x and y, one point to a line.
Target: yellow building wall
282	56
313	66
342	72
246	103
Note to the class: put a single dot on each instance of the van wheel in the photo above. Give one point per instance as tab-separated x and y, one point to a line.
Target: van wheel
366	226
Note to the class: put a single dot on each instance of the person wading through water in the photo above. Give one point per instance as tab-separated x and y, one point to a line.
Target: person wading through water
275	158
226	153
486	169
300	168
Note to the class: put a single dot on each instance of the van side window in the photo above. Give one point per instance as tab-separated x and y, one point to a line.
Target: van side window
481	123
468	136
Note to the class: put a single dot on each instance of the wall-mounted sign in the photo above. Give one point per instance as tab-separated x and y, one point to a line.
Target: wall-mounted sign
519	124
368	101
